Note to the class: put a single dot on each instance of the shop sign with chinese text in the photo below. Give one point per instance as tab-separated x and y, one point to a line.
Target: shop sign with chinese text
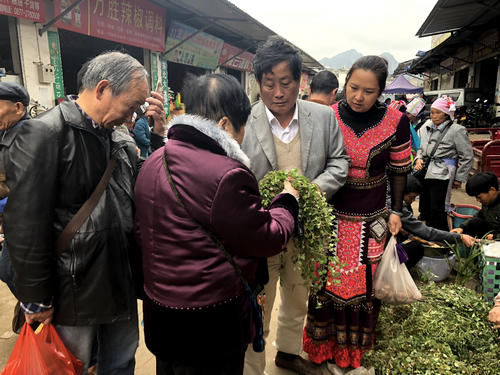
135	22
33	10
55	61
242	61
202	50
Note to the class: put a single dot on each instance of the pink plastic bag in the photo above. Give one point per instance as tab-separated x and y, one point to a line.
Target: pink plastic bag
41	354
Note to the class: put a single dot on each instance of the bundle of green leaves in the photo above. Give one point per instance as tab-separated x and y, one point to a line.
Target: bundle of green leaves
446	332
312	255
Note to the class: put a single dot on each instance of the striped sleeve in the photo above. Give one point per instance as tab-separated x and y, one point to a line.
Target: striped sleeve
400	151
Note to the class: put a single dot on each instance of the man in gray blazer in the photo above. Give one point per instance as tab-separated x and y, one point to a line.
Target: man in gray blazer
284	133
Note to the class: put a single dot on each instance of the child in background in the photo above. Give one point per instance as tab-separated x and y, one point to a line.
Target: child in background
483	186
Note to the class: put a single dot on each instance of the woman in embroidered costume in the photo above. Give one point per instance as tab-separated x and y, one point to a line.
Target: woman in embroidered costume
341	319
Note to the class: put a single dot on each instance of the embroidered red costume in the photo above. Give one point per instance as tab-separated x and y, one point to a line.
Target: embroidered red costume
341	320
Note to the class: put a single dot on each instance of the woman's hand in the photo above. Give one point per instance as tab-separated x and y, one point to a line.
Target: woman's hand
456	184
394	224
494	316
419	163
289	189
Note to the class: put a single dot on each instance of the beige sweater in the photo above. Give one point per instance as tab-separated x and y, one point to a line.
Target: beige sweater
288	154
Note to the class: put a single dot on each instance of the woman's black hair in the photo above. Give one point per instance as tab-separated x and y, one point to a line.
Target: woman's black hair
273	52
214	96
375	64
481	182
413	185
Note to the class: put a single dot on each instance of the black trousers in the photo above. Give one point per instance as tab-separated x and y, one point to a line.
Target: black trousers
432	203
232	365
415	252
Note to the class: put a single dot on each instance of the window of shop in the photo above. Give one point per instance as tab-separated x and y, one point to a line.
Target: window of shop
76	49
177	73
461	78
235	73
9	54
5	49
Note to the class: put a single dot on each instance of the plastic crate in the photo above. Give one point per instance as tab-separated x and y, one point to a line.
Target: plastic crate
490	277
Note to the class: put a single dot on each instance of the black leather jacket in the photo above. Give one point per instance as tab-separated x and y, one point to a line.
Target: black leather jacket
53	166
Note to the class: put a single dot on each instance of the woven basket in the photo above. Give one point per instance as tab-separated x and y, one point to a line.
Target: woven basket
490	279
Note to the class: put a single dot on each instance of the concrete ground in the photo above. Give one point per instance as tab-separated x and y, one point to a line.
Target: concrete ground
145	361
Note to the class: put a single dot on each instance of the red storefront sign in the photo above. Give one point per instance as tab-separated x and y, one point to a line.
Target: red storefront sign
33	10
243	61
135	22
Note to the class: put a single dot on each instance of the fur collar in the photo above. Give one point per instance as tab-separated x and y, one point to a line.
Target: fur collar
210	129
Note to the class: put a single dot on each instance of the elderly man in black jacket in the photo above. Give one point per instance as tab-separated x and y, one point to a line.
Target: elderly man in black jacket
14	101
55	164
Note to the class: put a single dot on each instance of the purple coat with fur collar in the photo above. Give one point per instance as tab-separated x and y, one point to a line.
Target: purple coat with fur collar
194	302
183	267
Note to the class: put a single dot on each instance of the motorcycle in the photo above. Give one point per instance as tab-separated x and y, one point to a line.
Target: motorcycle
479	116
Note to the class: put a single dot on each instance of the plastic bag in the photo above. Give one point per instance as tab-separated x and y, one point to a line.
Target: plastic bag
41	354
393	283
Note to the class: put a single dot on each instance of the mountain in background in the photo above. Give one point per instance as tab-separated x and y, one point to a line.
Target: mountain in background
393	64
348	58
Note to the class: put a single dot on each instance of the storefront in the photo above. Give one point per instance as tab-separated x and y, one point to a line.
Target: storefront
135	27
197	55
11	11
76	49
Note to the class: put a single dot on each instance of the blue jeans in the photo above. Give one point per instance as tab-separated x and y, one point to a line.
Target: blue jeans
117	344
6	269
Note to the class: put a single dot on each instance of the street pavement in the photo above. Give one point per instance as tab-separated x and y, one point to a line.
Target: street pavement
145	361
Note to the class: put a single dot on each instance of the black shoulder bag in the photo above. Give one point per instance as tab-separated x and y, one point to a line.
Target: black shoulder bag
422	172
258	342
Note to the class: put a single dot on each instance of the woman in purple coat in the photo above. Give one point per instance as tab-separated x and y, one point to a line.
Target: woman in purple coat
197	314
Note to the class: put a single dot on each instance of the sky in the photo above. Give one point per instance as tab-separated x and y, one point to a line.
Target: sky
324	28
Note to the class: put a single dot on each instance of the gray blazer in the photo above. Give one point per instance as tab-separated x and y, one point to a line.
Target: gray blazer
324	158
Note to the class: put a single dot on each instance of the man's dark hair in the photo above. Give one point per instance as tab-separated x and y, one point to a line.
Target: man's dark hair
305	97
324	83
273	52
413	185
79	76
481	182
375	64
214	96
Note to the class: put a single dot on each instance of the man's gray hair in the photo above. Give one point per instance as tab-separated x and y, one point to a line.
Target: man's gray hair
120	69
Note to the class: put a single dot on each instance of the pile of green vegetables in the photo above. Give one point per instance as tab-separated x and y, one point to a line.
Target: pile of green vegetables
446	332
314	246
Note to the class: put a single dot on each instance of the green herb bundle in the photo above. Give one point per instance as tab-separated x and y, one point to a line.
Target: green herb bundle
314	246
447	332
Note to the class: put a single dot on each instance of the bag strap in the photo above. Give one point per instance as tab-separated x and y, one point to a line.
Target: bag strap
84	211
441	136
207	232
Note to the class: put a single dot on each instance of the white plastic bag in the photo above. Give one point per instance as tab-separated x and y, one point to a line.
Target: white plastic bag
393	283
